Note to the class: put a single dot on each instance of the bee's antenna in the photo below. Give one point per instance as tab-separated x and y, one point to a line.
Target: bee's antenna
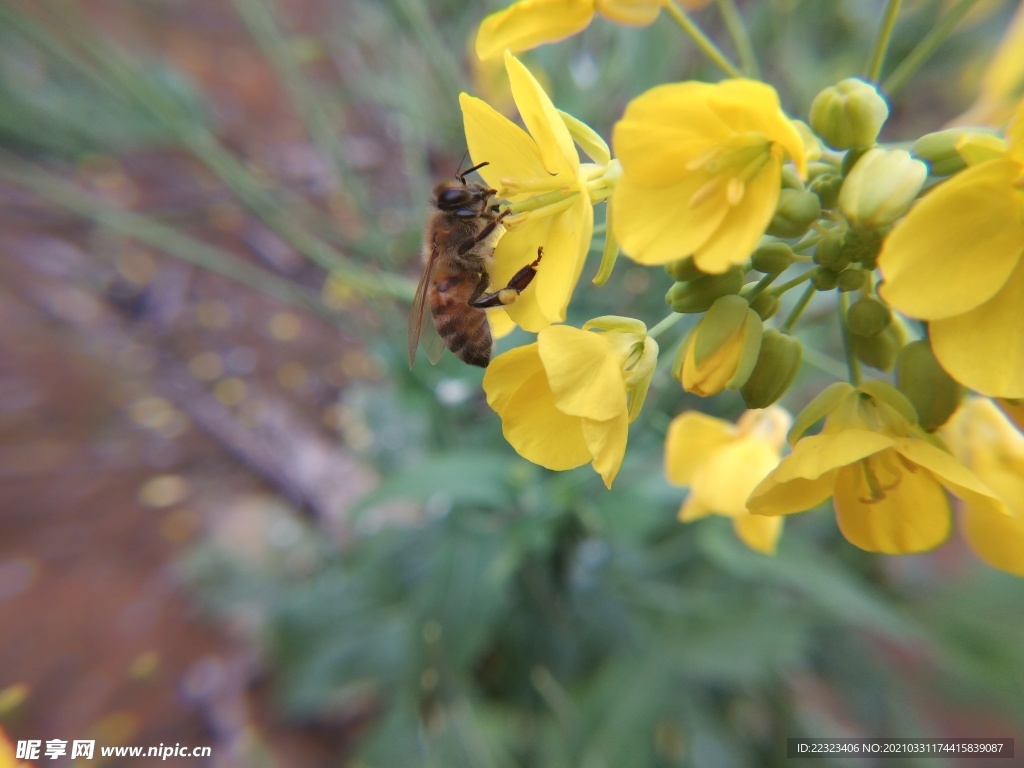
463	174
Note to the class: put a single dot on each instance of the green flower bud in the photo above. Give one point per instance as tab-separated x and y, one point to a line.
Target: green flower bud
849	114
699	294
772	258
829	250
826	187
777	365
939	150
684	269
880	351
766	304
868	317
860	246
852	279
795	213
881	187
933	392
790	179
824	279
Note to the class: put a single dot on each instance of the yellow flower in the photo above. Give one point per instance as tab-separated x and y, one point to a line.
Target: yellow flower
569	398
888	481
529	23
7	754
721	350
981	437
701	171
956	261
722	463
540	175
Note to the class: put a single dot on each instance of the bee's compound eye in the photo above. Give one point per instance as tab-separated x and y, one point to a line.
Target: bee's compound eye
453	198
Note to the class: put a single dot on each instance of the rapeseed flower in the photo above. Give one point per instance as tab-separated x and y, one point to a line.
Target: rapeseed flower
957	261
982	438
569	398
552	194
888	481
722	463
701	171
529	23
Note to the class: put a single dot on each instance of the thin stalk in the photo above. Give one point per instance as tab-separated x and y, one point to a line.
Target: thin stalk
798	310
701	40
852	363
763	283
781	289
924	49
873	70
740	38
666	322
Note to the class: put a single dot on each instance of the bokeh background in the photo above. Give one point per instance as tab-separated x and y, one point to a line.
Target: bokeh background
230	515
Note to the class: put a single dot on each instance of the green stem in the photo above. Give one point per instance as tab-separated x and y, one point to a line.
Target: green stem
667	322
852	363
740	38
924	49
798	310
701	40
781	289
763	283
874	65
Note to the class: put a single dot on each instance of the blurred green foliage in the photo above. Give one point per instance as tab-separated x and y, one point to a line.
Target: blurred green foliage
526	618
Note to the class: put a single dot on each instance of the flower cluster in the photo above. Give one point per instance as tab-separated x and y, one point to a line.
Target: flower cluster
917	255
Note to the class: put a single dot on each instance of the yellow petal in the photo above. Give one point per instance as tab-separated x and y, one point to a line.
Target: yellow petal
566	241
529	23
736	236
656	225
584	374
606	441
494	139
913	517
692	437
806	477
957	246
501	324
731	473
984	348
542	120
518	390
758	532
954	476
636	13
997	539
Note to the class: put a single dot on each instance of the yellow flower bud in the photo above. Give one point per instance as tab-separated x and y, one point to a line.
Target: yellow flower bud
796	211
721	350
699	294
933	392
881	188
849	114
777	365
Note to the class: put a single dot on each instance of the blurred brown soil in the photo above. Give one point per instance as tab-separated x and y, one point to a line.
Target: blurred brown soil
141	402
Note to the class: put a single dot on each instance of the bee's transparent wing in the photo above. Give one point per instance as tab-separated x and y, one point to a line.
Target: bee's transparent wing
421	322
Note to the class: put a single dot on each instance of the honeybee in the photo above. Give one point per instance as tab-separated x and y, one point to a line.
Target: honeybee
458	244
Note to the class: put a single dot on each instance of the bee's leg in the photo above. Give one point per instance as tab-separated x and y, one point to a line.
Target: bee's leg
510	292
467	245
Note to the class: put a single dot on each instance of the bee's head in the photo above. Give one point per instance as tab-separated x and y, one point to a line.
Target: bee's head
467	201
